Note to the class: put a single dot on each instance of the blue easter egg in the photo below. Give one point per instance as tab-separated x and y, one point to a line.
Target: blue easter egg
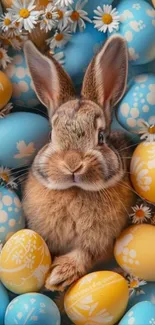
137	26
32	309
80	50
4	301
18	73
142	293
11	214
141	314
138	103
22	135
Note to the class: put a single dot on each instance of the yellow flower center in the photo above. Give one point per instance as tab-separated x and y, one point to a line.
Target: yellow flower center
24	13
140	213
1	55
59	37
107	19
75	16
151	129
60	14
5	177
134	284
7	21
49	15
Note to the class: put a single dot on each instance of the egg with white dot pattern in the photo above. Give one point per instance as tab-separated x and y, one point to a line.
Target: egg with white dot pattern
140	314
11	214
134	251
32	309
138	104
137	26
18	73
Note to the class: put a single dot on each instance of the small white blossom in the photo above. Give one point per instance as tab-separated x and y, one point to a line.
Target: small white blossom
140	214
77	16
49	18
64	2
106	19
60	38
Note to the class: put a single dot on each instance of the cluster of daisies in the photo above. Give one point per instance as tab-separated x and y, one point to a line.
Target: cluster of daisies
60	18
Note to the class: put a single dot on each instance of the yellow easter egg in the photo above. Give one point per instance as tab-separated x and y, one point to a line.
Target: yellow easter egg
135	251
143	170
5	89
97	298
24	262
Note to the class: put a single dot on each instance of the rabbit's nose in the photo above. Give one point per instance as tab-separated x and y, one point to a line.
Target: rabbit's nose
73	161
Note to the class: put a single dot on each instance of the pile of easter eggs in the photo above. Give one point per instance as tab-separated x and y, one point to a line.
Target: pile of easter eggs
101	297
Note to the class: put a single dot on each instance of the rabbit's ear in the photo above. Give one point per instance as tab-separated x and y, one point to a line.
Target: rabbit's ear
106	76
52	84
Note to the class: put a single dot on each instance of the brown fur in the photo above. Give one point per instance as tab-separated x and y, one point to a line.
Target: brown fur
78	193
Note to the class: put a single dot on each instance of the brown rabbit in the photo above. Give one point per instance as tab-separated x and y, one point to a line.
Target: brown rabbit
77	194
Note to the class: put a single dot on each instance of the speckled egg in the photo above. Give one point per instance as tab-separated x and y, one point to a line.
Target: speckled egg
5	89
137	25
89	300
4	299
11	214
22	135
18	73
142	313
143	170
77	57
138	104
32	309
135	250
24	262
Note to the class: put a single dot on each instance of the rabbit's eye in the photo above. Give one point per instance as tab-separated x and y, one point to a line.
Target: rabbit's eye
101	137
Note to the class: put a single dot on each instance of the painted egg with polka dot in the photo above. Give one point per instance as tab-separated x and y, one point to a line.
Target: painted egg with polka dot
25	261
138	104
76	57
22	135
32	309
89	300
141	313
137	26
11	215
4	299
135	250
143	170
5	89
18	73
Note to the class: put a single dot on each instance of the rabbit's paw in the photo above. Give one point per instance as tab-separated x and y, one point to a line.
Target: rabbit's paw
64	272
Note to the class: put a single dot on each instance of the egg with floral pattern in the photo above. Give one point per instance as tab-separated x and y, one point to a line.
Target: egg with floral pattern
137	26
11	214
22	135
18	73
89	300
5	89
135	250
143	170
32	309
79	51
141	313
4	299
24	262
138	104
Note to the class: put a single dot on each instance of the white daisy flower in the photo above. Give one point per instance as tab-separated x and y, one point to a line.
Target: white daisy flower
134	283
60	38
6	178
23	12
64	2
147	131
16	43
6	21
14	30
49	18
106	19
62	18
4	58
78	16
140	214
6	110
